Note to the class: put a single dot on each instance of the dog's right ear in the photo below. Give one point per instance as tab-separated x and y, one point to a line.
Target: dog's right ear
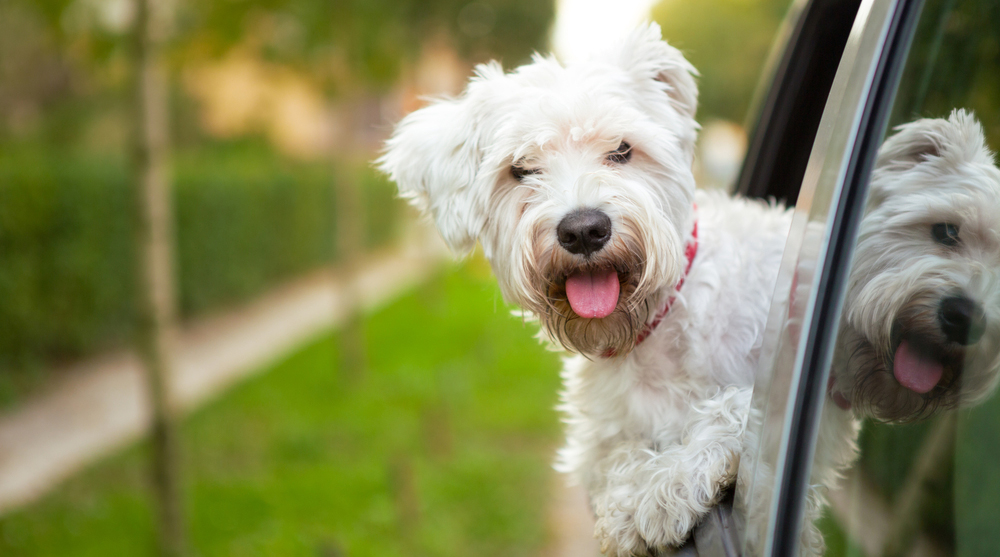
958	138
434	156
912	144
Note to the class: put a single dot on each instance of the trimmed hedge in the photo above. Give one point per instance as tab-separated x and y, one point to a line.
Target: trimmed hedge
245	221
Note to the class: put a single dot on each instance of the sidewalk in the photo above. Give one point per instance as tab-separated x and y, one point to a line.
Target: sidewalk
571	523
102	403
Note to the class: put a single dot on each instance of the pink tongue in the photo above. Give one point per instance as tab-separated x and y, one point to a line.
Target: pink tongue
593	295
914	371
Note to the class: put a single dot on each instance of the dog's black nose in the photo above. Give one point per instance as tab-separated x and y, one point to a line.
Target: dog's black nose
962	320
584	232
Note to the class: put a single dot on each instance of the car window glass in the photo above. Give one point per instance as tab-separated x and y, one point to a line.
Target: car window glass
768	427
910	421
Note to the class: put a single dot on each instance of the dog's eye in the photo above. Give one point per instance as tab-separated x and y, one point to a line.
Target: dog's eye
945	233
519	172
622	154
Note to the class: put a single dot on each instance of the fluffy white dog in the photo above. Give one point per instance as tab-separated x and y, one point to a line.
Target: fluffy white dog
576	180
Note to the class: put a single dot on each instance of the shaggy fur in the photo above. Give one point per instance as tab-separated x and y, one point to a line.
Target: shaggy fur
654	432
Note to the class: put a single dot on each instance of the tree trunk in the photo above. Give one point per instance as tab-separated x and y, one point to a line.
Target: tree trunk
154	244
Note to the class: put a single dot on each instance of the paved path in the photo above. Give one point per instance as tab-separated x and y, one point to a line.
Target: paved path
571	524
101	404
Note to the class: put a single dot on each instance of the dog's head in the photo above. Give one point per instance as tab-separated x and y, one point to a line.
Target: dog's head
575	179
921	326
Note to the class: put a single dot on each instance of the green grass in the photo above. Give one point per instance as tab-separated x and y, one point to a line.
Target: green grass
441	448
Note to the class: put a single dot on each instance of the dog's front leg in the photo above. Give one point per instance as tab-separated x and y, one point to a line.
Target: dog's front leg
652	497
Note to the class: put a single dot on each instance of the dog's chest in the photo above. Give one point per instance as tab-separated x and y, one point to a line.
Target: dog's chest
646	394
657	399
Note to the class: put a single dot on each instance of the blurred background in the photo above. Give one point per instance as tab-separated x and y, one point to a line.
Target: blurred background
222	334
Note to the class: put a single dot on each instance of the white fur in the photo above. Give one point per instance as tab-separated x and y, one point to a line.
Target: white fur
655	432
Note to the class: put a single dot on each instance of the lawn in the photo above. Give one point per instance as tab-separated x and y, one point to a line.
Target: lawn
442	447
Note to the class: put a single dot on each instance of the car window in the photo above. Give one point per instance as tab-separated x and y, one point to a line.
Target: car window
917	353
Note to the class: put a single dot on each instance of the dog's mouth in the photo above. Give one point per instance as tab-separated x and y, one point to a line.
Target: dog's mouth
592	304
592	292
917	368
924	365
902	380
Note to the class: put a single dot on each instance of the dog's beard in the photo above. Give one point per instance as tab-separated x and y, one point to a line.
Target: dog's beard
547	267
867	363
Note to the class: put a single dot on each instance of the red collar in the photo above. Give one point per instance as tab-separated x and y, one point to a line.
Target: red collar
690	250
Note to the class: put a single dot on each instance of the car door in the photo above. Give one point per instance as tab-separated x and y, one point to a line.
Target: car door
866	334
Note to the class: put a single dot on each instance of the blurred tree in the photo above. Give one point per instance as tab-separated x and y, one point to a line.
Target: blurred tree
346	47
157	305
728	41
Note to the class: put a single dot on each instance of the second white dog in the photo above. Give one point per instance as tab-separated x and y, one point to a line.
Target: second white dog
577	182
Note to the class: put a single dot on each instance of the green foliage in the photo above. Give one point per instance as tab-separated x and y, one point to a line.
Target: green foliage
953	64
371	40
245	220
728	41
963	499
66	270
443	449
838	543
977	480
888	453
63	59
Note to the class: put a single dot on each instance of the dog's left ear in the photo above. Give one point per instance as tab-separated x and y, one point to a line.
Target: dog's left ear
648	58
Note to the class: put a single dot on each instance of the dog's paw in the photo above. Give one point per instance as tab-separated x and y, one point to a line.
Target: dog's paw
667	514
618	536
643	530
615	526
666	526
649	532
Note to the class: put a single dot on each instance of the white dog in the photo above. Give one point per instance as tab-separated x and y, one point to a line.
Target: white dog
577	182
